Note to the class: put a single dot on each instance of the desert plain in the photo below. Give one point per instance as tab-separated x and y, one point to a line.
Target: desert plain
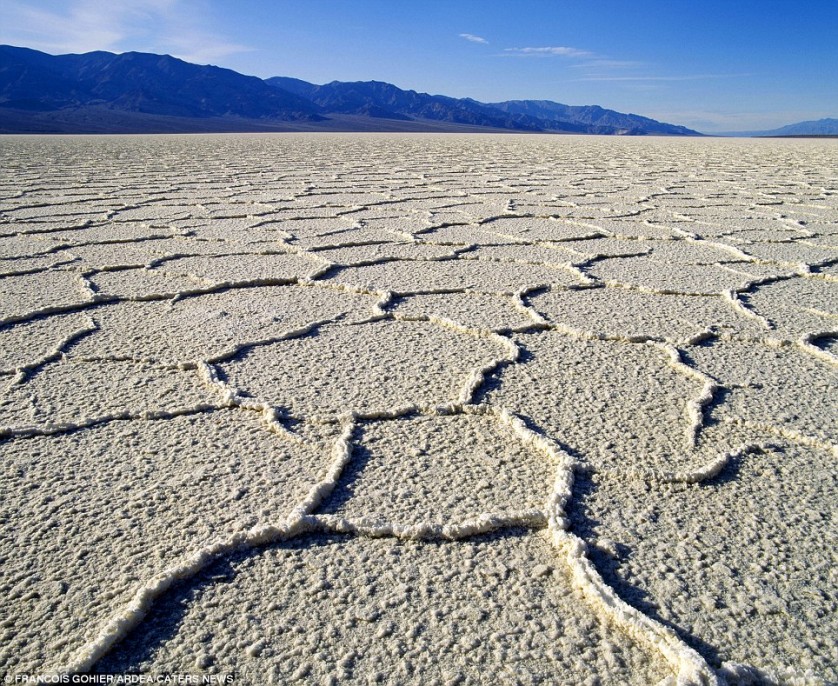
419	409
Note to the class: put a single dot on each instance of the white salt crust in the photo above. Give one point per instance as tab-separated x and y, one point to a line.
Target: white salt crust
434	353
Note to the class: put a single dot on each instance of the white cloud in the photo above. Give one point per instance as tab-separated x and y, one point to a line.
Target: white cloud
474	39
558	51
161	26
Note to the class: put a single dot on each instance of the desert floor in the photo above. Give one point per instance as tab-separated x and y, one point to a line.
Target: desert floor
419	408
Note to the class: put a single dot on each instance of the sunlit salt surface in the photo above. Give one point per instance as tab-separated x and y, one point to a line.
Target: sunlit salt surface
419	409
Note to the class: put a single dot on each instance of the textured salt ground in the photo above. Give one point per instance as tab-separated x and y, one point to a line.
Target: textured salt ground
615	403
796	306
660	352
34	341
743	566
442	470
88	392
213	324
349	610
781	387
20	295
85	527
622	313
472	310
647	272
409	277
142	283
366	368
362	254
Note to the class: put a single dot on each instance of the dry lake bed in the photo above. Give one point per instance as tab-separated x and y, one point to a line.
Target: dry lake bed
418	409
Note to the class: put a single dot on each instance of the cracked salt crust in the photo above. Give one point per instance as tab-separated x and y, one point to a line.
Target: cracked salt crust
491	276
212	325
143	283
348	237
627	314
364	254
465	235
645	427
614	402
796	306
369	368
651	274
236	268
472	310
551	254
89	527
36	340
351	610
44	291
85	393
780	387
744	566
537	229
439	469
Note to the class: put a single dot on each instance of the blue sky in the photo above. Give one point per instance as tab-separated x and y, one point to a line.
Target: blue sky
714	65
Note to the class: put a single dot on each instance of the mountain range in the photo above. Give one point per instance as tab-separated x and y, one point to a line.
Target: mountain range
819	127
102	92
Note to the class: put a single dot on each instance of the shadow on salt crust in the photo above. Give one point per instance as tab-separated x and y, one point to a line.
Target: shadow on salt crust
89	528
331	609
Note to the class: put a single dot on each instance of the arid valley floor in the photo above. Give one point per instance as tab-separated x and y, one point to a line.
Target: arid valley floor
419	409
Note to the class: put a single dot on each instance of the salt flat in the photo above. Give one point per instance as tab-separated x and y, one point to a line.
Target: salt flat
419	409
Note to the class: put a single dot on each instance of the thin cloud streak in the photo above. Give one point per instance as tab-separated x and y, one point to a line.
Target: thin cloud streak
690	77
474	39
610	64
557	51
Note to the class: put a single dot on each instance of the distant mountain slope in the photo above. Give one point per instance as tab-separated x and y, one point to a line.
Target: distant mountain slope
384	100
140	82
820	127
378	99
592	116
100	92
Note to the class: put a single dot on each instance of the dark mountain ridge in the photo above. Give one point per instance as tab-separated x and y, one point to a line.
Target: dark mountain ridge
101	92
140	82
